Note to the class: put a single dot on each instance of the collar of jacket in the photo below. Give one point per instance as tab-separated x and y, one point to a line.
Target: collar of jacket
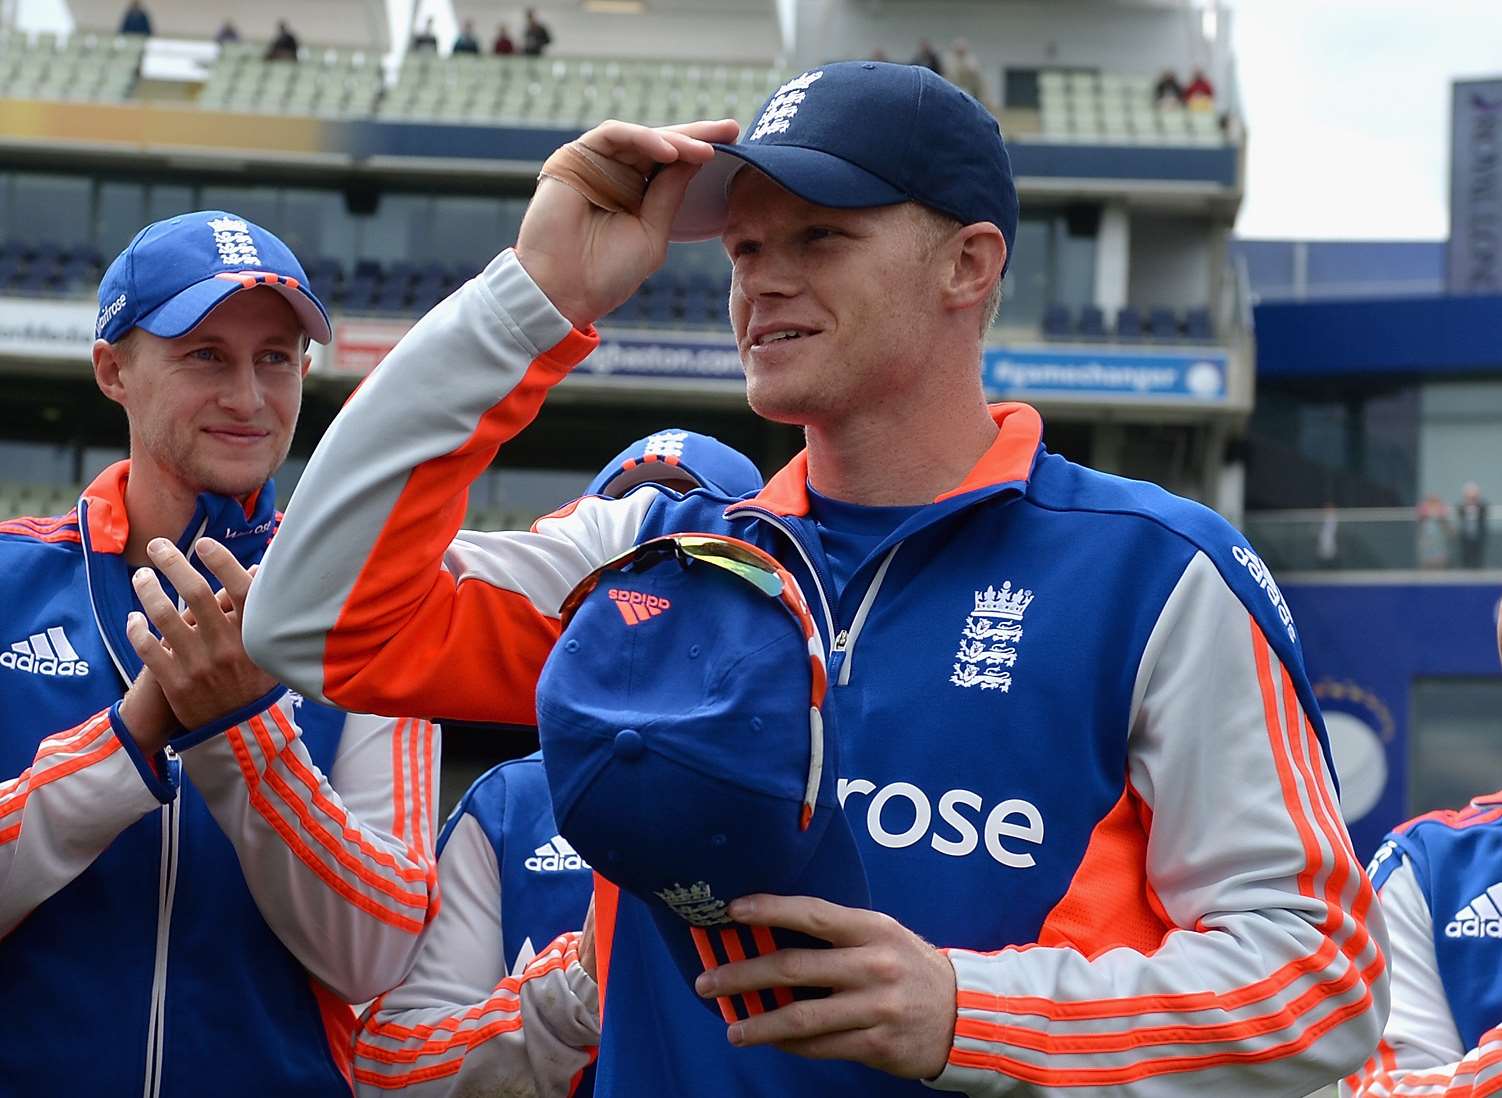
242	526
1006	465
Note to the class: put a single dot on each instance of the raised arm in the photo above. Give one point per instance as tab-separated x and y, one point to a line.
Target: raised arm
370	598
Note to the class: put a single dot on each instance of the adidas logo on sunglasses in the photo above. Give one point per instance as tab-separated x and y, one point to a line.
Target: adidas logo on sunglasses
636	607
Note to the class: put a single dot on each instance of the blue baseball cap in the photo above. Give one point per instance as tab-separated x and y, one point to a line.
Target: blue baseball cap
687	750
702	459
866	133
176	271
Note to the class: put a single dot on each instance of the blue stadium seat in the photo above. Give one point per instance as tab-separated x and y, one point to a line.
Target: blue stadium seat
1162	324
1058	323
1129	322
1092	322
1198	325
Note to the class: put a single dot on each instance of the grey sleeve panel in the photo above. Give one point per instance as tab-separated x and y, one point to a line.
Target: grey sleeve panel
458	1024
424	403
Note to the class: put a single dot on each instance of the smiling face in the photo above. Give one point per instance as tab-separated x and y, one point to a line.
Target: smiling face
831	309
215	408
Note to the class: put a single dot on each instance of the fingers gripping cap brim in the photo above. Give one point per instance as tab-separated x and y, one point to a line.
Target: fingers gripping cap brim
184	312
835	873
813	176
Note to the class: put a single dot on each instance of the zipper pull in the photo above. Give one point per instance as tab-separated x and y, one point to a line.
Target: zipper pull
841	641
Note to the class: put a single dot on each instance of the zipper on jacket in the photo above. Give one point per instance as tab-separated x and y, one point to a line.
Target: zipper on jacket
808	560
156	1033
166	892
842	655
842	642
171	815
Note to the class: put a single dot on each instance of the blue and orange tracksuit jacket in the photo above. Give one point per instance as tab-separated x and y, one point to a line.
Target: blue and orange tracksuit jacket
512	886
1081	753
199	921
1439	878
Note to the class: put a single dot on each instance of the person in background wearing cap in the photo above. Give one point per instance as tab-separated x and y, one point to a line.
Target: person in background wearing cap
1080	754
512	885
197	877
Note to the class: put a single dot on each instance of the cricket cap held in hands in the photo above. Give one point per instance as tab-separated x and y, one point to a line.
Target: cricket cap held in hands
684	737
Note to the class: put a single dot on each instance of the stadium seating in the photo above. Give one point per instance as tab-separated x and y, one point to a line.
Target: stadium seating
36	499
324	83
49	268
1115	108
571	92
84	67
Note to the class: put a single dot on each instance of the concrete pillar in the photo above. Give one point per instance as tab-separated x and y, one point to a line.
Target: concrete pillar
1113	249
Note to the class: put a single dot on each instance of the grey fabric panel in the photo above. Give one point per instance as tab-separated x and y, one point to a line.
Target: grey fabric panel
425	400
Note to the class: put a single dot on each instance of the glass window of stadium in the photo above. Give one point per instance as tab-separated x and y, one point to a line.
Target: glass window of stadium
1373	443
1454	742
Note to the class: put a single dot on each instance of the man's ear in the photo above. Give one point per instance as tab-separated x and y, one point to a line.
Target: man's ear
307	364
108	365
980	256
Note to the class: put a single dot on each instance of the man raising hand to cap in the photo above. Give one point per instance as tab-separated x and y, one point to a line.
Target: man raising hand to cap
1079	753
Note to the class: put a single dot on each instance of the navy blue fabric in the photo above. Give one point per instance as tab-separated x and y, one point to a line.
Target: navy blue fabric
868	133
165	279
972	831
239	1006
1457	860
541	898
849	532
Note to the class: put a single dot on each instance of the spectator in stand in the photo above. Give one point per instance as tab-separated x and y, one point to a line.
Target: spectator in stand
135	20
504	46
928	57
1200	94
1167	92
964	73
1327	538
227	33
536	37
467	42
1470	516
425	41
1433	532
284	46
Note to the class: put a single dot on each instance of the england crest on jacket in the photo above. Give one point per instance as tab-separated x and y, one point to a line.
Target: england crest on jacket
988	642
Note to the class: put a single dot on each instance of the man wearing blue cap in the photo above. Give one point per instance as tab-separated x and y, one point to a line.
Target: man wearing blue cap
1079	751
201	875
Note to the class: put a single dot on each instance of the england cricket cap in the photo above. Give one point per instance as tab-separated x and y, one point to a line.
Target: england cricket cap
688	751
702	459
866	133
176	271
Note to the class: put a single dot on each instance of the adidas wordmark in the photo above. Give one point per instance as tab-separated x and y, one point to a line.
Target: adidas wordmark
47	653
1481	918
555	856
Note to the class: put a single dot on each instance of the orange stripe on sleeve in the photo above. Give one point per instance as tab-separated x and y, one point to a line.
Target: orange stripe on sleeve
412	640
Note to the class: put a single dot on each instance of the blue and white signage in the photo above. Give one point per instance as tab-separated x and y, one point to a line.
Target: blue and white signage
1100	372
